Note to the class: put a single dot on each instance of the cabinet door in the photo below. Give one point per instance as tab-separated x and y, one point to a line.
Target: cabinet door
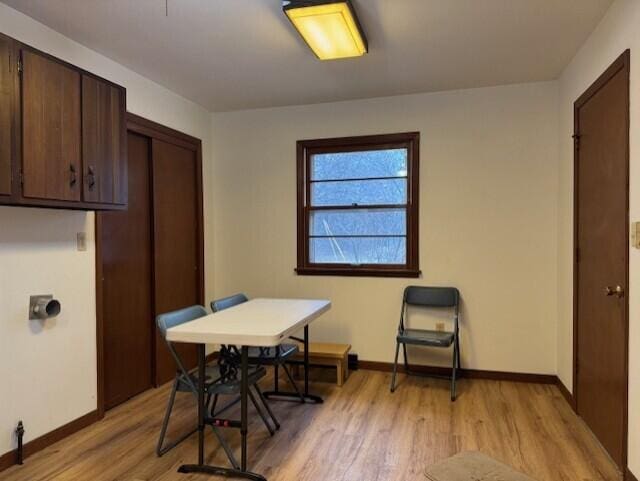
103	142
8	66
50	129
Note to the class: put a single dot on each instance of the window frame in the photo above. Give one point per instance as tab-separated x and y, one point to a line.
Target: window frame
305	150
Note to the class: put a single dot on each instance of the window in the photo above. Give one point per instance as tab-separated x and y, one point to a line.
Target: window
358	206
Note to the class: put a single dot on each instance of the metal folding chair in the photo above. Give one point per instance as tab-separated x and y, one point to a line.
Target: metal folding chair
265	356
218	382
429	297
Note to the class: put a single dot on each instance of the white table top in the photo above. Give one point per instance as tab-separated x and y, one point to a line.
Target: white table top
258	322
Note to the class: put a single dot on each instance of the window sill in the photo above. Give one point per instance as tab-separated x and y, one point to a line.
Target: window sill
360	272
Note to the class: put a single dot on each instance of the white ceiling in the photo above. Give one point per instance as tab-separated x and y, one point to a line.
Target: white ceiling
240	54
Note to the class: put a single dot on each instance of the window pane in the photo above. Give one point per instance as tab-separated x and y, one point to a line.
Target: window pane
359	165
358	250
358	222
360	192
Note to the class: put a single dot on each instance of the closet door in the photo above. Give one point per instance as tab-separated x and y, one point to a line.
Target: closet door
127	302
177	225
51	124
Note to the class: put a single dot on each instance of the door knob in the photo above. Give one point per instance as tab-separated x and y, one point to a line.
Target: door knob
617	291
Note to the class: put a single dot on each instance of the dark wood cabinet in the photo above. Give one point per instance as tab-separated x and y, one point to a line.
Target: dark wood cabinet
62	133
103	142
7	98
51	129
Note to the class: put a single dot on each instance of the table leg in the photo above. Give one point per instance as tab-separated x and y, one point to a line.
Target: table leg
201	467
201	383
292	396
309	397
244	389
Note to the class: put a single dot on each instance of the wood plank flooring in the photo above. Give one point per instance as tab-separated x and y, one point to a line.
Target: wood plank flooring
361	433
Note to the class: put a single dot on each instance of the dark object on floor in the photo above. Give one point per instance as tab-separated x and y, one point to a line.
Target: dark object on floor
20	450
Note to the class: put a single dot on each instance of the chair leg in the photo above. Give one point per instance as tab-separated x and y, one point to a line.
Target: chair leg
265	403
293	383
453	372
212	410
227	449
406	359
260	413
395	368
276	368
165	422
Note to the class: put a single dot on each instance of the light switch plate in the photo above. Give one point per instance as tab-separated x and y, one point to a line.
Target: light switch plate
82	241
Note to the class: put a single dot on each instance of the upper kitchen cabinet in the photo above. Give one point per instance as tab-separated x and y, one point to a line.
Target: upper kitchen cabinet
103	142
8	66
62	134
51	129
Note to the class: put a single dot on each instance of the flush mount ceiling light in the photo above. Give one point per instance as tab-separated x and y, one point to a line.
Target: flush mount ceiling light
330	27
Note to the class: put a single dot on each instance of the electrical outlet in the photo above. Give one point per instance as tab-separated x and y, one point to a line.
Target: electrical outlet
440	326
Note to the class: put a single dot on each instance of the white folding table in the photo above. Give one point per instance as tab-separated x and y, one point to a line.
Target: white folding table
256	323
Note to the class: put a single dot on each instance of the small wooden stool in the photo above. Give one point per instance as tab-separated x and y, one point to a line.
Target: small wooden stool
328	354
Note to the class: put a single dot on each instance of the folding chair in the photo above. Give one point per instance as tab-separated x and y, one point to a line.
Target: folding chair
429	297
216	383
265	356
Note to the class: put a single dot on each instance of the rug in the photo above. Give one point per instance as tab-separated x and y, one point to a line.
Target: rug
473	466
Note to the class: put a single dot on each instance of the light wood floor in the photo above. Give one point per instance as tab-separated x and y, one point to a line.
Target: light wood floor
361	433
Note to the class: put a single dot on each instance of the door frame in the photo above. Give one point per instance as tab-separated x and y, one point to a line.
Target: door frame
622	63
153	130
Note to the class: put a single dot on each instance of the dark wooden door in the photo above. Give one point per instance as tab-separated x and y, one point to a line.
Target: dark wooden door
127	303
103	142
176	224
50	129
602	175
8	66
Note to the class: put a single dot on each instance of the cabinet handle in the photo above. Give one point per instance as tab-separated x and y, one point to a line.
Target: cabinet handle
72	177
91	178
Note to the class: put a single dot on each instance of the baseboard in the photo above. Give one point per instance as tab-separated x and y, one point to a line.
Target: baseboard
629	476
9	459
566	394
468	373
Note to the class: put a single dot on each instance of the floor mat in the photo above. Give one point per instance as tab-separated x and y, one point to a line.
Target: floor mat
473	466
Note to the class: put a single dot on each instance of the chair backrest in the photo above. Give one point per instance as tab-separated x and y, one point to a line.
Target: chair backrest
173	319
227	302
176	318
424	296
431	296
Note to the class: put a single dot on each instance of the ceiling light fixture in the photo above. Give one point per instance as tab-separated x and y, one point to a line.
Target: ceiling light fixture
330	27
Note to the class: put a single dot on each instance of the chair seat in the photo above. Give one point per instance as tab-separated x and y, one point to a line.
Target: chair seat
213	384
268	355
426	337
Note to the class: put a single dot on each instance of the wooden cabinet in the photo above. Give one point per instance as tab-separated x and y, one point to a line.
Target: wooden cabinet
103	142
65	145
7	98
51	129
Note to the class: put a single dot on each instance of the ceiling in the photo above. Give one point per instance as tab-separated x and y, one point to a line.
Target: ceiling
241	54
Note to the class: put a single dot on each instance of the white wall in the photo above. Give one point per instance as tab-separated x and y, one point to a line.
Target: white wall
619	30
48	375
488	188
